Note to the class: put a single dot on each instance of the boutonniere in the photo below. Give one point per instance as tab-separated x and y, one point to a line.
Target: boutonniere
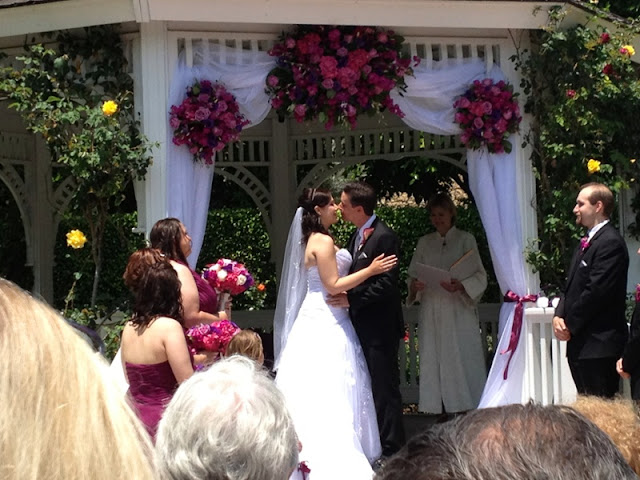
365	236
304	469
638	293
584	243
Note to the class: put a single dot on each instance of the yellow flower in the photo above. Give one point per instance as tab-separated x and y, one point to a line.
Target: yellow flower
628	50
593	166
632	160
76	239
109	108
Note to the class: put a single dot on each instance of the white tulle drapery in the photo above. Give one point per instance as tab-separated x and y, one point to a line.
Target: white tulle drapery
428	106
189	183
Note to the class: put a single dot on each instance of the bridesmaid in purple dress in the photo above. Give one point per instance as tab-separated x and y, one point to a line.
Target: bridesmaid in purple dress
199	299
155	356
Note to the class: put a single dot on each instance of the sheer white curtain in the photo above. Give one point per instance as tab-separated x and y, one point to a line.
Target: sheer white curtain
428	106
189	183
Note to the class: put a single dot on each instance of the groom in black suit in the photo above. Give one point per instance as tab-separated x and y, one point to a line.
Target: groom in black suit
375	309
591	312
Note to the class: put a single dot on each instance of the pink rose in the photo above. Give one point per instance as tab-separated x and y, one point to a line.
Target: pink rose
571	93
604	38
272	80
328	67
478	123
300	110
382	37
174	122
327	83
290	43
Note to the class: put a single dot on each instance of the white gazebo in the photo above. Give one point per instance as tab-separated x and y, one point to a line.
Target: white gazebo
276	159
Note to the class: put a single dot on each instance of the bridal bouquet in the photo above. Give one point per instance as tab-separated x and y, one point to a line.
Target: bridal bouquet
487	114
228	276
213	337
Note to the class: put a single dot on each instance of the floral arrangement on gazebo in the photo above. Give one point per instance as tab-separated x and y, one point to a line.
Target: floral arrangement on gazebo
487	114
207	120
335	73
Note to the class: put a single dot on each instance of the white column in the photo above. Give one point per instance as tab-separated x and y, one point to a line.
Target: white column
282	185
152	89
524	169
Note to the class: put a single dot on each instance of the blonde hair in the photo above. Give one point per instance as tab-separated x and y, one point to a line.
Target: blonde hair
247	343
617	418
61	417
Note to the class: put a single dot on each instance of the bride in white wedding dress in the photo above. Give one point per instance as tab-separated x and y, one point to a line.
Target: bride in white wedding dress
320	366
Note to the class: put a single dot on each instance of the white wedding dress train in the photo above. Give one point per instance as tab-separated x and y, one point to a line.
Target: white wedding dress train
324	378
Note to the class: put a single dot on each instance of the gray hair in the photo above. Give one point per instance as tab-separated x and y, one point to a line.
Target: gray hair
516	442
227	423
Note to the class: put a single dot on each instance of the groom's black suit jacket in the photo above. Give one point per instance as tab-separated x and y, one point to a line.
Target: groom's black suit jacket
594	300
375	305
376	312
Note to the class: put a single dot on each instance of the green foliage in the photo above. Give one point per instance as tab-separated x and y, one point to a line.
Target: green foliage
60	94
119	243
13	248
240	234
584	95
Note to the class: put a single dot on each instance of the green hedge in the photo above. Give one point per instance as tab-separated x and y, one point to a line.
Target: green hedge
231	233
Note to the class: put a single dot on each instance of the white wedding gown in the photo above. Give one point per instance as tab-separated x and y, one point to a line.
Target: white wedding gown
324	378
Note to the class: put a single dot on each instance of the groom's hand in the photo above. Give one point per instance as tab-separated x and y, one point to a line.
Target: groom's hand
338	300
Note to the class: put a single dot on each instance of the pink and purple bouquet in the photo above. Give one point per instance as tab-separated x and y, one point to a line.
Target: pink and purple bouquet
206	120
487	114
335	73
228	276
213	337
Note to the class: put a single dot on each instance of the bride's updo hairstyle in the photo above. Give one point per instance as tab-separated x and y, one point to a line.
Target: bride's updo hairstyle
309	200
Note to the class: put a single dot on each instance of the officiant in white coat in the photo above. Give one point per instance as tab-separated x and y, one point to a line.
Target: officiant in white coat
452	363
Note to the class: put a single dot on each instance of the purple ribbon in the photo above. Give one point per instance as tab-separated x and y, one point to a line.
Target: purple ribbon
516	328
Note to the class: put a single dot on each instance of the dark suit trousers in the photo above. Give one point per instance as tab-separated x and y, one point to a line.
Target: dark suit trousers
385	380
596	376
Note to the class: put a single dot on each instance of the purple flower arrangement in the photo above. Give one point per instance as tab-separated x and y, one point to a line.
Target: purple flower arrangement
487	114
206	120
335	73
212	337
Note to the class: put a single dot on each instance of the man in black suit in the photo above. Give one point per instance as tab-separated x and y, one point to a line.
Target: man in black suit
629	365
376	310
591	312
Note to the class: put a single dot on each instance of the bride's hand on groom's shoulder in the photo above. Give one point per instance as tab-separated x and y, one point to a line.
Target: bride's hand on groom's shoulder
338	300
382	264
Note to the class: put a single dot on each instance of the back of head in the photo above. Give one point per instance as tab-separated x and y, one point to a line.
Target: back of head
363	195
309	200
227	423
61	415
248	343
165	235
515	442
617	418
157	292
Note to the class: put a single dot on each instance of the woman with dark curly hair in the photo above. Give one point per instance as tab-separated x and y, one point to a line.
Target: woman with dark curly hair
154	353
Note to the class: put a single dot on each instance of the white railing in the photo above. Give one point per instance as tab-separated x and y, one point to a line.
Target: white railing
408	355
547	376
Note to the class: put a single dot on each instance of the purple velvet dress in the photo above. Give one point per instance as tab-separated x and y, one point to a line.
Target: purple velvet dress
150	388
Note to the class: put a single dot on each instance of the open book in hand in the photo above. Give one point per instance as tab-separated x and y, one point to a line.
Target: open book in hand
463	268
